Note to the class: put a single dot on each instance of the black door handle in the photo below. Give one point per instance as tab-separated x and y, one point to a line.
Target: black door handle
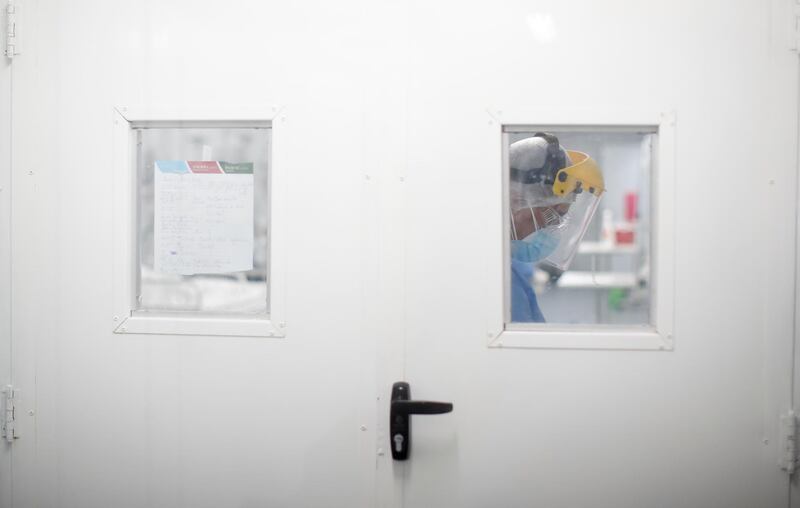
400	411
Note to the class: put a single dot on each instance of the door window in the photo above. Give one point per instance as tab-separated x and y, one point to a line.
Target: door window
197	247
203	216
579	225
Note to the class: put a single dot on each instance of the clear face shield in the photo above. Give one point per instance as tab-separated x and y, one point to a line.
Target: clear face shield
550	217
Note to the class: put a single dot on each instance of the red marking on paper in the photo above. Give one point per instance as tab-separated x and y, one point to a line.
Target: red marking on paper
204	167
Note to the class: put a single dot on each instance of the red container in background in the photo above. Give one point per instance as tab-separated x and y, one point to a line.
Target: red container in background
625	236
631	206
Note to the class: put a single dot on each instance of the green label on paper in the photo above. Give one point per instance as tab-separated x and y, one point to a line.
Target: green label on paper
241	168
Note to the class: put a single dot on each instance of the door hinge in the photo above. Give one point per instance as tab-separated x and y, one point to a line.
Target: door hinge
9	432
11	30
788	442
794	25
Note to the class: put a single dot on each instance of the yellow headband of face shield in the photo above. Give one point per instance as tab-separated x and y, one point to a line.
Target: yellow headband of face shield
583	174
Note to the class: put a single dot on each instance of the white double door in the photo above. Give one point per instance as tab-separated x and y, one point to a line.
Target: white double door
385	108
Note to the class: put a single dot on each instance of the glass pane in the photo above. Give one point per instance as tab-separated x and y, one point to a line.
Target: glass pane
203	217
579	226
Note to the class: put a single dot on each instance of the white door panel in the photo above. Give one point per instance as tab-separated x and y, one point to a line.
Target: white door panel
691	427
151	420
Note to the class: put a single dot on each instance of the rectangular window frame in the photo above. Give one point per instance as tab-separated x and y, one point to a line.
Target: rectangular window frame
125	318
659	334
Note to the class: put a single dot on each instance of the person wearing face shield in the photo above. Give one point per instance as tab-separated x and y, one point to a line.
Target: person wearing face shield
554	194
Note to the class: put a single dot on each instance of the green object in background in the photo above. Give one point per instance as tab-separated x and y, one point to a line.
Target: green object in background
615	298
245	168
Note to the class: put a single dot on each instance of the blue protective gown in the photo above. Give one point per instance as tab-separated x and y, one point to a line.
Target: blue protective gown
524	307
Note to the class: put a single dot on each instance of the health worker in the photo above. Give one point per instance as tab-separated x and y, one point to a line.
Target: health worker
553	194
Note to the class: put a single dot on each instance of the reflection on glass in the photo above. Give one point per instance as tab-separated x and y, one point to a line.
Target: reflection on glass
231	153
579	226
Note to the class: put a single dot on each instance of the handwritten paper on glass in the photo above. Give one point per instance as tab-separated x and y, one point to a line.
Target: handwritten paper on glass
203	217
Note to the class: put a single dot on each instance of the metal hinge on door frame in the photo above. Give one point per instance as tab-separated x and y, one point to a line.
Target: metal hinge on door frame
9	415
794	25
11	30
788	442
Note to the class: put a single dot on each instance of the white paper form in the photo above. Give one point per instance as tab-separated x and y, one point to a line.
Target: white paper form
203	217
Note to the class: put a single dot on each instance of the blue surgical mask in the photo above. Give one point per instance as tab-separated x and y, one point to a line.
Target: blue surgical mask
534	247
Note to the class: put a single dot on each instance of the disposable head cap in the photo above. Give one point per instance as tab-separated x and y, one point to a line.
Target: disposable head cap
529	153
532	175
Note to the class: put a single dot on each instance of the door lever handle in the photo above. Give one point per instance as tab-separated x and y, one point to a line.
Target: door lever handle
421	407
400	411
